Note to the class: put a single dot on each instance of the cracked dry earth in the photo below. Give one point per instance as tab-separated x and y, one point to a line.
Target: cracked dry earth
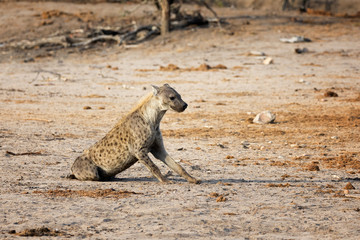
283	180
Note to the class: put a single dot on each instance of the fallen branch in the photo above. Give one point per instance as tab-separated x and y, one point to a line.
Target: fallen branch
101	38
120	36
211	10
53	41
187	20
133	38
22	154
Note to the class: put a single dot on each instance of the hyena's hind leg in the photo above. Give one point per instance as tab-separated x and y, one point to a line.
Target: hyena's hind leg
84	169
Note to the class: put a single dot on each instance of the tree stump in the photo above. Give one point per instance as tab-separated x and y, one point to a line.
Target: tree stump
165	17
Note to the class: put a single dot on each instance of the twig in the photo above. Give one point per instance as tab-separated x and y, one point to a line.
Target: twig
21	154
96	39
152	30
211	10
45	71
38	119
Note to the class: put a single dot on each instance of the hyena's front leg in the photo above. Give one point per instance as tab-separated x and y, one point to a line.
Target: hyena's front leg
155	171
159	152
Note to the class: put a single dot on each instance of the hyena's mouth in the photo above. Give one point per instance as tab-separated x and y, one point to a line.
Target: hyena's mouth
180	108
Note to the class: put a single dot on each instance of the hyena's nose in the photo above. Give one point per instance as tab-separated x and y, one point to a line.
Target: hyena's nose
185	106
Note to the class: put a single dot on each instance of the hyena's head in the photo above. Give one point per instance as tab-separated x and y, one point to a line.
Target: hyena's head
169	98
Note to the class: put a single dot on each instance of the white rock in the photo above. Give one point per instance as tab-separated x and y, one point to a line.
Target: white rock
256	53
302	80
268	61
295	39
264	117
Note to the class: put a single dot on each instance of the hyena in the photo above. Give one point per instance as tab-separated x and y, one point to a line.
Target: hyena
132	138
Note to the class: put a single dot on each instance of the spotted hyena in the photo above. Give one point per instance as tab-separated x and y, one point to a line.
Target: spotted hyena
132	138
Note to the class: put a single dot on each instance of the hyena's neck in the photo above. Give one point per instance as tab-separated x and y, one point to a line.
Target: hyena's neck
153	112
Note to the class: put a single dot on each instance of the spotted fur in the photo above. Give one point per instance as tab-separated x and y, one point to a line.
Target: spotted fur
132	138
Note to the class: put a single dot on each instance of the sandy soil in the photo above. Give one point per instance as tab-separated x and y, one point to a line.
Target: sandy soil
284	180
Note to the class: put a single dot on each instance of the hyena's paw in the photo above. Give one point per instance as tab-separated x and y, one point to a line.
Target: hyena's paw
195	181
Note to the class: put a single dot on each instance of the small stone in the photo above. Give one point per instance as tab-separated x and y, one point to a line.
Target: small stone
256	53
213	194
169	67
268	61
302	80
221	198
203	67
313	167
330	94
349	186
29	60
219	66
301	50
264	117
295	39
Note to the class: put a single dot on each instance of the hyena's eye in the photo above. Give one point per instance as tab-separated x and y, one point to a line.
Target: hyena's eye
172	98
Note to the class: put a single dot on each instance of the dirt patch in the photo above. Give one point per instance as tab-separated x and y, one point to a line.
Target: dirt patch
97	193
237	94
81	16
39	232
314	166
280	185
172	67
348	160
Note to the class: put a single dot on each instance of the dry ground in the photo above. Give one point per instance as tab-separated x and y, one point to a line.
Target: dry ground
276	181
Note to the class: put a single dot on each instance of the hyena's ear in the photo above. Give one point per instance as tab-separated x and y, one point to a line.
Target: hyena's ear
155	90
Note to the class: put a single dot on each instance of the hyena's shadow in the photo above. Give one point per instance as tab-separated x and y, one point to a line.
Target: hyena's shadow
176	180
130	179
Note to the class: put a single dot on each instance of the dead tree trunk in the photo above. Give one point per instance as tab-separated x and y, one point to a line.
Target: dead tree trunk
165	17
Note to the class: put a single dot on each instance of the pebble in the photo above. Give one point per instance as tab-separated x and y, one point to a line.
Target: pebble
295	39
256	53
264	117
245	144
302	80
301	50
268	61
298	145
330	94
349	186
